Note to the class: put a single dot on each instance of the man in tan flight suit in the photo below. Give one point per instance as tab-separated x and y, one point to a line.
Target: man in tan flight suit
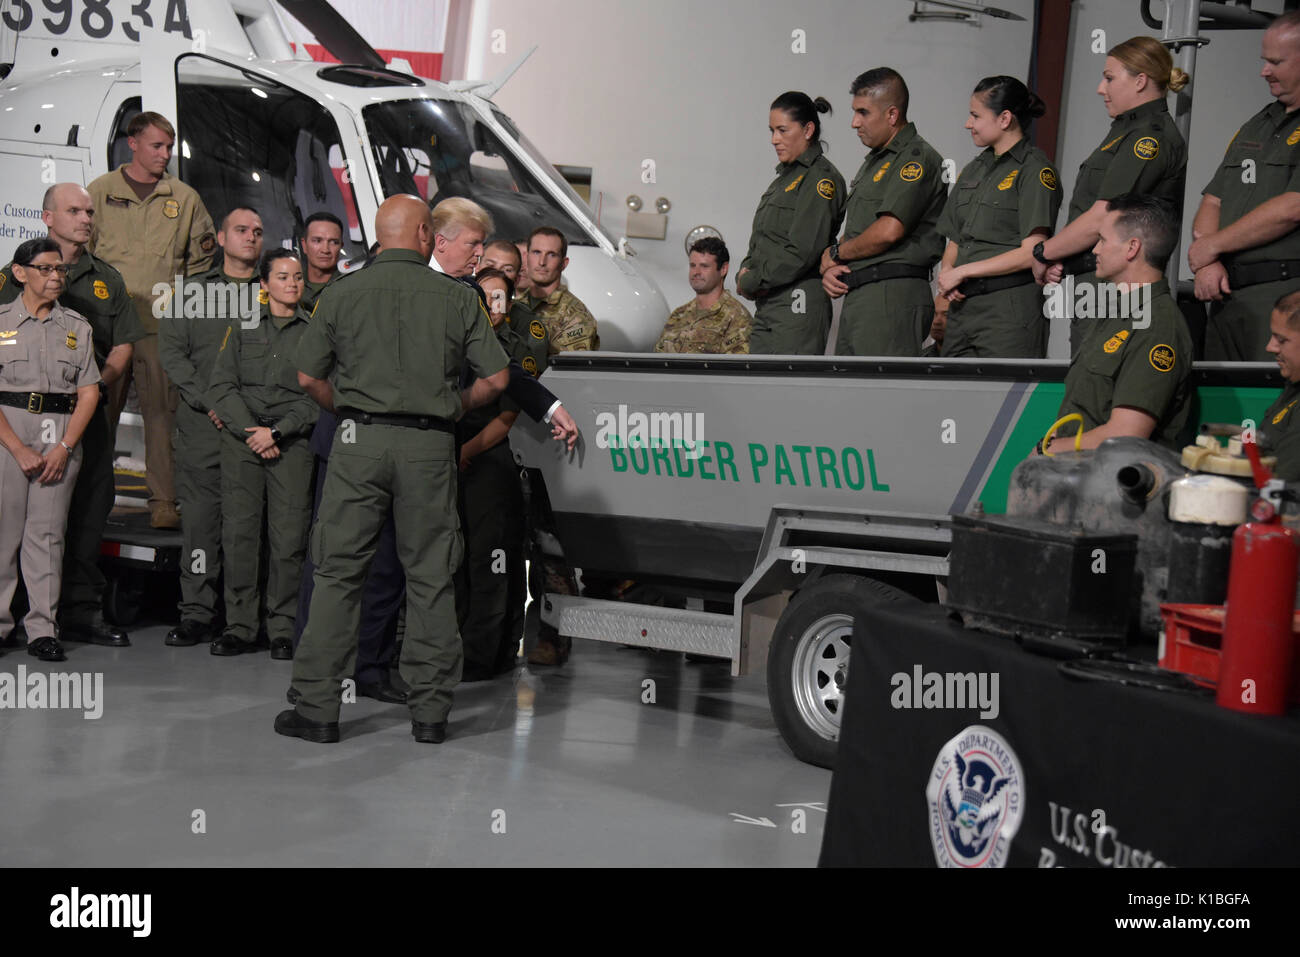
151	227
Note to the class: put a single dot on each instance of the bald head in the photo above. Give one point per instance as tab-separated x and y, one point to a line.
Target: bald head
1280	50
68	213
404	222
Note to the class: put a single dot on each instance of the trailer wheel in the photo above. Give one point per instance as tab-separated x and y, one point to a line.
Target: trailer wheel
808	661
121	603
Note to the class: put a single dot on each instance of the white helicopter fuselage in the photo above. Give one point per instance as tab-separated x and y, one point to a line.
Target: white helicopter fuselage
67	96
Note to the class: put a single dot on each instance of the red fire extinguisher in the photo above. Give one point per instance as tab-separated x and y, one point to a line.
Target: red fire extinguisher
1258	647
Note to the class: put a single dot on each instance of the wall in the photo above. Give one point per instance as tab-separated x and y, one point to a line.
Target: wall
686	84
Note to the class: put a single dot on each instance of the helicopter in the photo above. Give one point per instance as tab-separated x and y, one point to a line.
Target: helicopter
259	123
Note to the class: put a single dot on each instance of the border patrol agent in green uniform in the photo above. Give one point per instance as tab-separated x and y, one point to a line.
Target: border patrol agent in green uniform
1132	375
797	218
492	503
1278	432
188	344
95	291
395	335
1247	252
266	461
890	242
1142	152
1005	197
48	393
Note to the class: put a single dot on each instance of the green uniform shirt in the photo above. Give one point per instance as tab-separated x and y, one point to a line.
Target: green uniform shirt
903	178
1280	435
999	201
797	218
311	290
256	376
1142	153
534	349
724	328
396	335
188	344
1148	369
1270	143
525	348
95	291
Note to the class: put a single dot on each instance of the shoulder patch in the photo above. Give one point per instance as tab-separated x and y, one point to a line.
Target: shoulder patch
1147	148
1284	410
1047	176
530	365
1294	138
263	298
1112	344
825	189
171	209
536	329
795	185
1162	357
1111	143
3	277
880	173
207	243
101	289
911	172
1009	180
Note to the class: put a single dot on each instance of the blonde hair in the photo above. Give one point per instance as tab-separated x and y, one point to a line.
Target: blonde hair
454	214
1148	55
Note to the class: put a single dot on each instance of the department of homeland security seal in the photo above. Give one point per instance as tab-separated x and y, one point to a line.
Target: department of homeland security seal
976	799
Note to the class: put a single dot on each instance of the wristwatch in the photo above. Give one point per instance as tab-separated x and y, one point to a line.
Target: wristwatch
276	435
1037	252
835	253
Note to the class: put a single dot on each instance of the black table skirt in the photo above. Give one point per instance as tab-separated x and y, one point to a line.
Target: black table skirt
1105	775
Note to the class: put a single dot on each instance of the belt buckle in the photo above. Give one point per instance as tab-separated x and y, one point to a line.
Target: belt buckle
38	405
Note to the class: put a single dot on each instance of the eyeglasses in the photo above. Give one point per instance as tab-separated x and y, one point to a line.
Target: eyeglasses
45	270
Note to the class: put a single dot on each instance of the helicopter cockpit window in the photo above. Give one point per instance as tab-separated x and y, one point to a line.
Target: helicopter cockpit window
437	149
248	141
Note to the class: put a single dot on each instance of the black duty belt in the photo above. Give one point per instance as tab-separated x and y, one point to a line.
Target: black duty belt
863	277
982	287
1080	264
266	421
39	402
1252	274
402	419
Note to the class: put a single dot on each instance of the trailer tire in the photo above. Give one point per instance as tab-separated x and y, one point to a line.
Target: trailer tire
807	661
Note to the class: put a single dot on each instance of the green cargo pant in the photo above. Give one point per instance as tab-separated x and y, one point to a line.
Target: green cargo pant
1008	324
92	499
284	486
413	473
887	318
198	488
794	322
1238	327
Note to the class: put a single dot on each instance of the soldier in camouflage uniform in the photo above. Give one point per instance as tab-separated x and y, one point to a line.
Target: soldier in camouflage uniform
714	321
569	323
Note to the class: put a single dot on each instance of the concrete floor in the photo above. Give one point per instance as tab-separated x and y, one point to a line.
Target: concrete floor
569	763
